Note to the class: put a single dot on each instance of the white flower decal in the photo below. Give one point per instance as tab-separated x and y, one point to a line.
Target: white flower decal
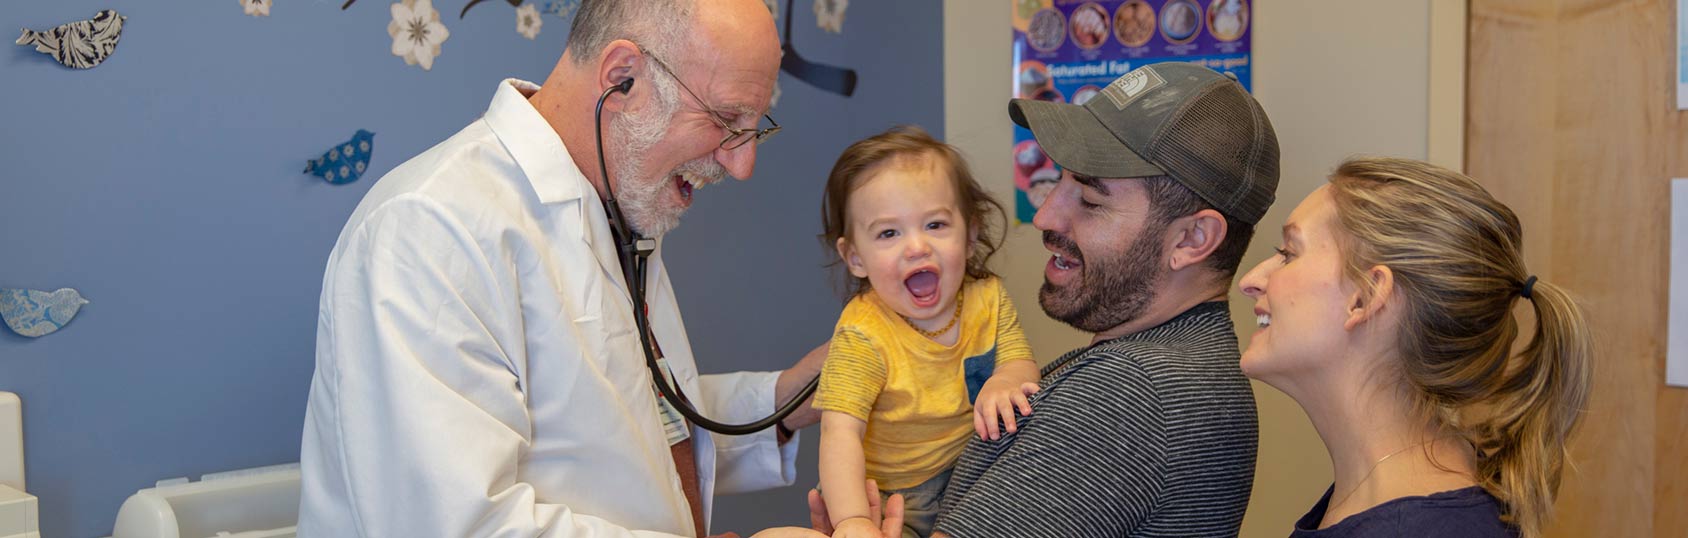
774	100
563	9
417	32
829	15
528	21
257	8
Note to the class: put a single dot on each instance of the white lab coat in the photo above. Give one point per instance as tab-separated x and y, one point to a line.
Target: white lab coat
478	372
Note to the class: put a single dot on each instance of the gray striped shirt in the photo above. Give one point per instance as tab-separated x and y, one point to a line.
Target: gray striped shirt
1149	434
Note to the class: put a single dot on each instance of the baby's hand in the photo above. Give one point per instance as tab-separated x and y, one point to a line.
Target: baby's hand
996	404
856	527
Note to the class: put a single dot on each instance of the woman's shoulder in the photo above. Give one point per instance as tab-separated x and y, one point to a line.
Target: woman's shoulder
1462	513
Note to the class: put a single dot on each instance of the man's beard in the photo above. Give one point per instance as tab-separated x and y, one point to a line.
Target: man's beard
642	194
1109	292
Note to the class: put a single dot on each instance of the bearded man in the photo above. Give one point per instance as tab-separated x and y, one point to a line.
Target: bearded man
1150	430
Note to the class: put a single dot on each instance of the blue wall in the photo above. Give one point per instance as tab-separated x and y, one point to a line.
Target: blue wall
165	185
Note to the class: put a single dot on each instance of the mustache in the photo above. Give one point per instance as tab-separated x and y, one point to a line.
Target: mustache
704	167
1061	243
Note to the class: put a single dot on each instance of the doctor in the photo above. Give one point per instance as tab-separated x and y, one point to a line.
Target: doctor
478	370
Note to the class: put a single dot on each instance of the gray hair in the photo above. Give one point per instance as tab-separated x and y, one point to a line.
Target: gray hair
657	25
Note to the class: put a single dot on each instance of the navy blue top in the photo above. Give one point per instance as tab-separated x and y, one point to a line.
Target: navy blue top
1461	513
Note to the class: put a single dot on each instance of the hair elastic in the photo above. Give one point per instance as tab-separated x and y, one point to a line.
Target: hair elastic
1528	290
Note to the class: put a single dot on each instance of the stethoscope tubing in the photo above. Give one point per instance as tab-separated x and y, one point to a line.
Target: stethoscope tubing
633	257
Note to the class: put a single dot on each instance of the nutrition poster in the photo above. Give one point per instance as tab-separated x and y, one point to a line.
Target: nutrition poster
1067	50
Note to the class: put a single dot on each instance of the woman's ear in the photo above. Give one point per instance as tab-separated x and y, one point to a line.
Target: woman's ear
1371	297
852	261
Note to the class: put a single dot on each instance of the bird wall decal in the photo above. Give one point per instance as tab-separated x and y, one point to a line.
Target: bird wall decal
79	44
345	162
35	313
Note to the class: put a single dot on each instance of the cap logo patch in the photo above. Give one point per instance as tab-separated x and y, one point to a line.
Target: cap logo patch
1133	85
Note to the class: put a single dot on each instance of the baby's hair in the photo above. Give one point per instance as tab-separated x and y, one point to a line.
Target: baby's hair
909	145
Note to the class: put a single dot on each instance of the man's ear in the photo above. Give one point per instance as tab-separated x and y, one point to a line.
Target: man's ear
1370	298
619	61
852	261
1195	237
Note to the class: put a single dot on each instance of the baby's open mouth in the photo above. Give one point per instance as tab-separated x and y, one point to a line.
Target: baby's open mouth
923	287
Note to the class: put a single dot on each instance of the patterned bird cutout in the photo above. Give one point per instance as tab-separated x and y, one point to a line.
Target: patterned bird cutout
80	44
346	162
35	313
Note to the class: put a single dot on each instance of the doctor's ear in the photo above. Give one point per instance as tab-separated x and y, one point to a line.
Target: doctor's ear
853	261
621	61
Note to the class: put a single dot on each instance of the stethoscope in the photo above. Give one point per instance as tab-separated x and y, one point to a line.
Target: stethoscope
633	251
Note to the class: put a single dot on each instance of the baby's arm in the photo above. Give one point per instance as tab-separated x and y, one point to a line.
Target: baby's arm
1007	390
1015	378
843	474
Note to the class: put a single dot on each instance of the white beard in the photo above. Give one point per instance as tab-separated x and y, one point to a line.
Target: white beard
642	195
633	136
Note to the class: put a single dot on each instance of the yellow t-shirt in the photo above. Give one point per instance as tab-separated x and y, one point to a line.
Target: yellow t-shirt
916	394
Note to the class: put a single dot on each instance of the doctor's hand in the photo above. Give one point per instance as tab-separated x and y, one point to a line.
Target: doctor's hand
793	379
891	524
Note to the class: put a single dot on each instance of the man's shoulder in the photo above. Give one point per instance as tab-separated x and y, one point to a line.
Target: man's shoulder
460	168
1201	339
1191	359
468	179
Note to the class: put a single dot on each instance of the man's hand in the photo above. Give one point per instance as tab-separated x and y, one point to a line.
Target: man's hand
856	527
793	380
890	525
788	532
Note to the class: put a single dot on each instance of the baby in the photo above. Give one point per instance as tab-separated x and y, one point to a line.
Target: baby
929	347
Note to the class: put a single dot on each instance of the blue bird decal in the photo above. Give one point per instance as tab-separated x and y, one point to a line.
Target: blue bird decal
346	162
35	313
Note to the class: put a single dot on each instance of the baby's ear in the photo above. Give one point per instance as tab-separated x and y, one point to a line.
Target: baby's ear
852	261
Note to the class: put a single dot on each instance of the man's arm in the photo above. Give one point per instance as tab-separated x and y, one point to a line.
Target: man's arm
1090	462
419	422
793	379
765	459
752	462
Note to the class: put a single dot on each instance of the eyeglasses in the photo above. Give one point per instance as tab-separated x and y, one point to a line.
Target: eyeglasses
736	137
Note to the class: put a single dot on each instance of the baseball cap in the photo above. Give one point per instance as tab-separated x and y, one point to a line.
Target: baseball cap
1181	120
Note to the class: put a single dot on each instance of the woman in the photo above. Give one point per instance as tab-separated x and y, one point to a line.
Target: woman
1388	315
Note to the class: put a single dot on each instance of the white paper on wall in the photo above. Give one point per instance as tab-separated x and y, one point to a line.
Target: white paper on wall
1676	346
1682	54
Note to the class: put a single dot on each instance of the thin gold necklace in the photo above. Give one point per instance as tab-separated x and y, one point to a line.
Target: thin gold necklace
1363	479
939	332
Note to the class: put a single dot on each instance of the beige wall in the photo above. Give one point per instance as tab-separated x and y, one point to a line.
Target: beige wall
1337	78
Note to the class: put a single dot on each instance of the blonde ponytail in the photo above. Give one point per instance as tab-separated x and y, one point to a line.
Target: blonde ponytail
1456	256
